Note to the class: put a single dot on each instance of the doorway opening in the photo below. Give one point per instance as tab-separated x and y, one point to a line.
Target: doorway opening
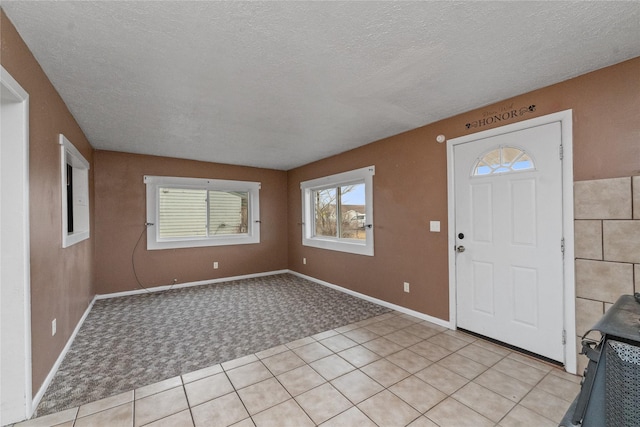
15	302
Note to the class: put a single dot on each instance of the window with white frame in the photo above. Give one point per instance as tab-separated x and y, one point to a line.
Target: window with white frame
75	193
195	212
337	212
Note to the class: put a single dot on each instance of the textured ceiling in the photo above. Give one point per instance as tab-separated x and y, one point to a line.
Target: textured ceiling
281	84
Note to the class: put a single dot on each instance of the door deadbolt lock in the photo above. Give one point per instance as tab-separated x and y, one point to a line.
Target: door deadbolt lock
460	249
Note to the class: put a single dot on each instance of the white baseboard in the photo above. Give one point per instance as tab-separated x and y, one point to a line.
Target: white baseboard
189	284
383	303
54	368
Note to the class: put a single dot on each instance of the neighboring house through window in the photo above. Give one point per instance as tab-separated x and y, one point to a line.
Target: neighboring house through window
194	212
337	212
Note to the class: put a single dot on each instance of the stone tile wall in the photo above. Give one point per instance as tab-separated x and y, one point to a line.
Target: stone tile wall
607	247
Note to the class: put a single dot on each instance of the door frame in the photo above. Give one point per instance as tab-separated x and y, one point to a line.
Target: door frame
16	398
569	293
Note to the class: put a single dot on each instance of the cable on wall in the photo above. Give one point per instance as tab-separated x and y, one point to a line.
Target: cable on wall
133	262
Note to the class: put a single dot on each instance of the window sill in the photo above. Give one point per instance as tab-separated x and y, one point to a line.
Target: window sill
199	243
352	247
73	238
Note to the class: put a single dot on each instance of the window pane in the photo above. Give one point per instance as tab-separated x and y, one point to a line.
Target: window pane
482	168
69	198
325	212
492	159
336	210
523	162
503	160
509	154
228	212
183	212
352	210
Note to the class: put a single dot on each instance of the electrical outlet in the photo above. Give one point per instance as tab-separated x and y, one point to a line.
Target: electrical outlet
406	287
215	265
53	327
304	261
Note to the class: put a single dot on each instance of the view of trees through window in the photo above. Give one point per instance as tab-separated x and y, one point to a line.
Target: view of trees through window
340	212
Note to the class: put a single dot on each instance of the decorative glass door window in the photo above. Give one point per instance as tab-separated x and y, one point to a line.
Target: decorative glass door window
503	159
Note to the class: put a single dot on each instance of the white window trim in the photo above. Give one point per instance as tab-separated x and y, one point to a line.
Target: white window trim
16	397
155	242
69	154
308	221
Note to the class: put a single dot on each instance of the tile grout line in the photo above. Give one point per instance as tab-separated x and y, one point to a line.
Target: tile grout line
235	390
329	381
281	385
340	392
387	388
502	357
519	403
433	362
364	373
186	396
384	388
305	364
315	387
472	380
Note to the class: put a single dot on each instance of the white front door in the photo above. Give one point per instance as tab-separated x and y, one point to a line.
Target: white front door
509	238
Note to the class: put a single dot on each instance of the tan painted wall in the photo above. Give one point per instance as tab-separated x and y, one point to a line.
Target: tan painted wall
61	279
121	213
410	186
410	190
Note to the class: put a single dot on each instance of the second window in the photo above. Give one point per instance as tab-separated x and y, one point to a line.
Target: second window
338	212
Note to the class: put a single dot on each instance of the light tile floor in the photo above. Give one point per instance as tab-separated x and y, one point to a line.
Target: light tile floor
390	370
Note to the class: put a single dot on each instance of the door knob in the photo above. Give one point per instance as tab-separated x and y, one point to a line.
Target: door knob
460	249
